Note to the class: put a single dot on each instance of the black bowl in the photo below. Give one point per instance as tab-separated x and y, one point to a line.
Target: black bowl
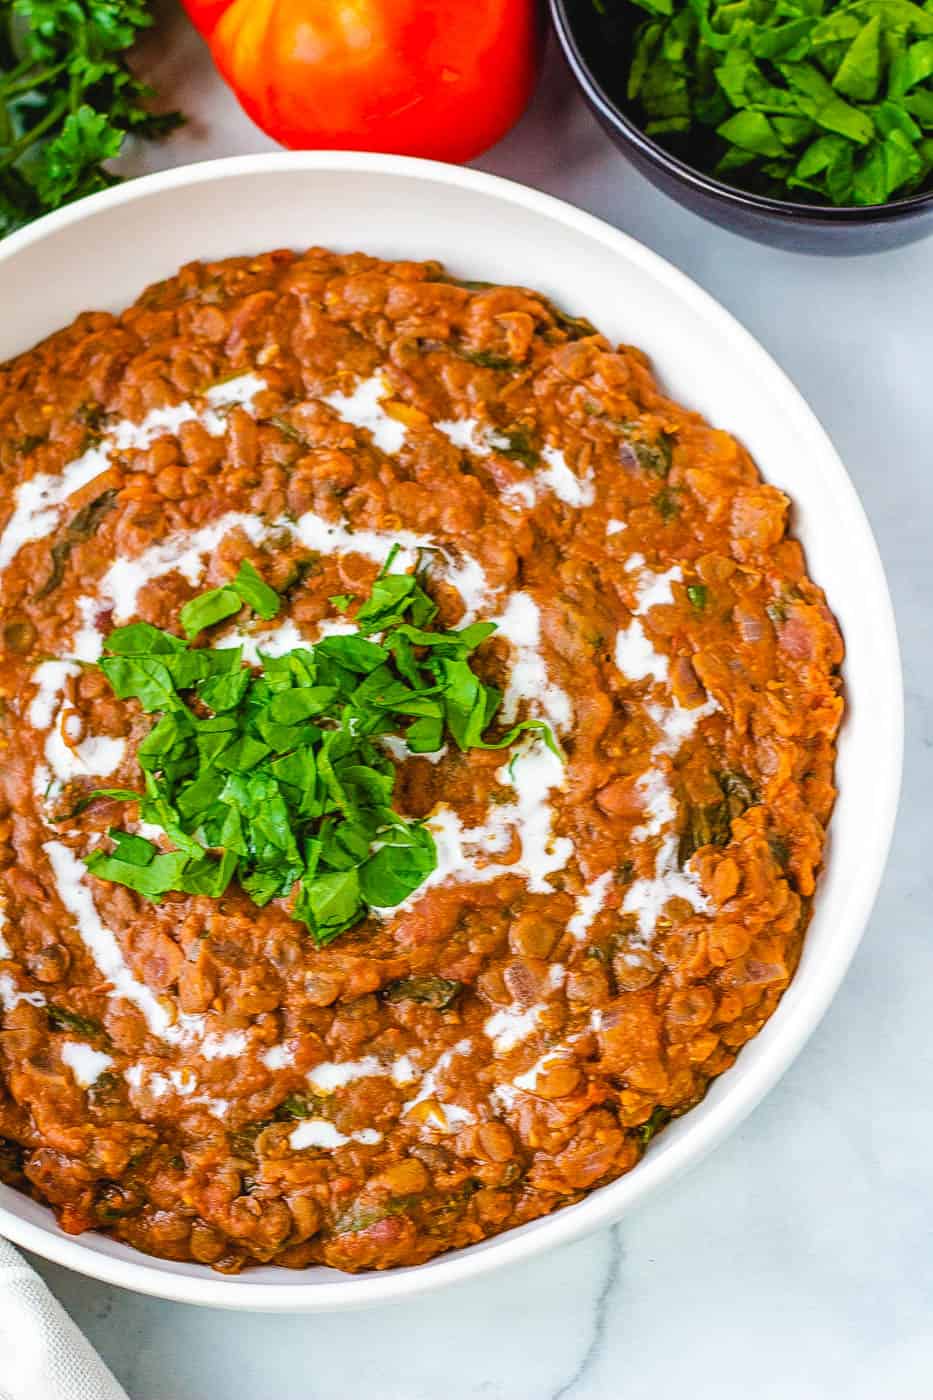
598	57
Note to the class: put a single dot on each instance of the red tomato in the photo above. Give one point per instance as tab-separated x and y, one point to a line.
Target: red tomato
438	78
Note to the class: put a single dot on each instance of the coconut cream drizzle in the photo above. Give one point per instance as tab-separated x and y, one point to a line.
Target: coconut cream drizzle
11	995
528	1081
332	1075
224	1047
363	409
637	660
444	1117
187	553
318	1132
555	476
96	755
85	1063
38	502
68	753
177	1081
49	680
588	906
529	683
180	1083
278	1056
511	1025
184	553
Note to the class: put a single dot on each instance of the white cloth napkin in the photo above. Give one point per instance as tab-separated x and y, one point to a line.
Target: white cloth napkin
43	1356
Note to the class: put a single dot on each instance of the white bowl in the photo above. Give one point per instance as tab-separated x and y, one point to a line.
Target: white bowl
102	252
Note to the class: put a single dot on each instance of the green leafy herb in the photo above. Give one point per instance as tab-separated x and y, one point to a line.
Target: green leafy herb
577	327
485	359
106	1090
115	1202
518	446
255	593
276	777
468	284
711	824
208	608
438	992
61	1019
830	100
82	525
653	456
660	1117
297	1105
361	1215
667	504
779	847
286	428
698	594
67	100
342	601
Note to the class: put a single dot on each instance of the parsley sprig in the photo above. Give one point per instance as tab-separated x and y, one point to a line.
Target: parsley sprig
67	100
831	99
274	776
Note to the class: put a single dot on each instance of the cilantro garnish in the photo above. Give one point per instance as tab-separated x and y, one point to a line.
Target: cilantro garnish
67	100
218	603
274	776
832	99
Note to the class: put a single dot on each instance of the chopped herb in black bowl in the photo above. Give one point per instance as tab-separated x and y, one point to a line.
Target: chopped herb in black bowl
832	99
805	123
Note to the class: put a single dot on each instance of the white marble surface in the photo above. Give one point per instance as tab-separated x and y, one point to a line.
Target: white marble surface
796	1263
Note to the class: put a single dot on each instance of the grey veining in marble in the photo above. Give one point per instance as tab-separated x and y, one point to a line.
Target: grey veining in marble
797	1262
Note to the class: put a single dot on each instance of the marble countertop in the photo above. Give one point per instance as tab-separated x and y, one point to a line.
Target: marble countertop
796	1262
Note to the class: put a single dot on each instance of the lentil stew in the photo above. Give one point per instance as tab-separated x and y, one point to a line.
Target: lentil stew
608	921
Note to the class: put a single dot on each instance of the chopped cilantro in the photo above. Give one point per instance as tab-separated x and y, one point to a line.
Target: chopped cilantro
275	777
342	601
824	99
208	608
256	593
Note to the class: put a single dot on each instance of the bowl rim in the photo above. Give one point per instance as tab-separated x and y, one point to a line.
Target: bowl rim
789	210
799	1015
